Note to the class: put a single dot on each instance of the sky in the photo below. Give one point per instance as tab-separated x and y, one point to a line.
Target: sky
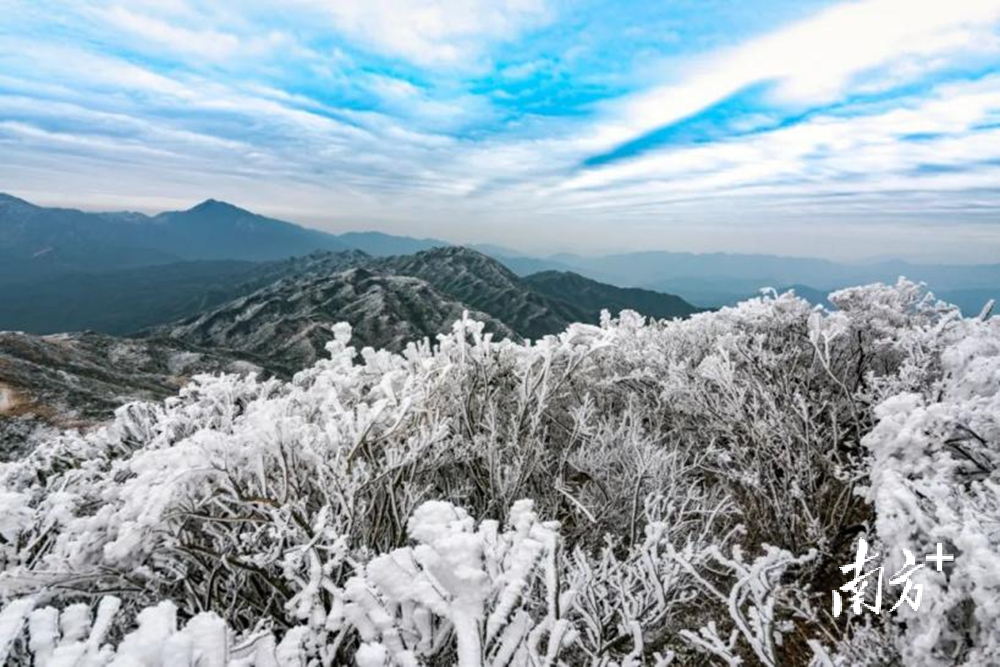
850	130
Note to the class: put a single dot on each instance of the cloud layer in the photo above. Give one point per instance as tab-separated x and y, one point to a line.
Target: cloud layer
806	128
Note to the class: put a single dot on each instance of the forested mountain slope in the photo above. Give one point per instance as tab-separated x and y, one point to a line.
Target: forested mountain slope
593	297
79	379
290	322
487	285
127	301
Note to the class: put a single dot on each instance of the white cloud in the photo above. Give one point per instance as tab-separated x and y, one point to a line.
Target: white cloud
432	32
858	153
179	29
423	109
817	60
79	73
205	43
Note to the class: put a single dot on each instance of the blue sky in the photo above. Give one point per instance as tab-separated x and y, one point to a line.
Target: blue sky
840	129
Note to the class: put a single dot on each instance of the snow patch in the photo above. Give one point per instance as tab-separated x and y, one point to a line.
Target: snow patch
7	399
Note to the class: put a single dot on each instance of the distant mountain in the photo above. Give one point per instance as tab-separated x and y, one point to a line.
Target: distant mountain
711	280
390	301
649	267
594	296
289	322
76	380
37	241
217	230
525	266
496	251
378	244
712	292
487	285
126	301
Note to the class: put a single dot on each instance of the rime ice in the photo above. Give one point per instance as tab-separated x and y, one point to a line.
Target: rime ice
639	493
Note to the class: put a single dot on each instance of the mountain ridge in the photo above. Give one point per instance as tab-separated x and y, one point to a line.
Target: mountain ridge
36	241
125	240
711	280
486	284
594	296
290	321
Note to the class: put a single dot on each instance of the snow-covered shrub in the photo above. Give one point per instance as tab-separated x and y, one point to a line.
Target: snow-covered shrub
74	636
935	478
634	493
463	592
752	602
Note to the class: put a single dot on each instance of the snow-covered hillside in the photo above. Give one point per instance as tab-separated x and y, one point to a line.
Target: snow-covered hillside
665	493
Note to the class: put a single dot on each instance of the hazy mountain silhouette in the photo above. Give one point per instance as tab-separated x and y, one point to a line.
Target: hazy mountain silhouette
594	296
36	241
217	230
379	244
711	280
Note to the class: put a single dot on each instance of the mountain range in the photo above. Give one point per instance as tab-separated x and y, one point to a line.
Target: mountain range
284	325
158	299
162	273
390	301
591	297
290	322
711	280
36	241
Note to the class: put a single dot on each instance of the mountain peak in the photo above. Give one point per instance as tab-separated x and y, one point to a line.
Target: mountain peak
11	199
216	206
463	258
486	285
456	252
